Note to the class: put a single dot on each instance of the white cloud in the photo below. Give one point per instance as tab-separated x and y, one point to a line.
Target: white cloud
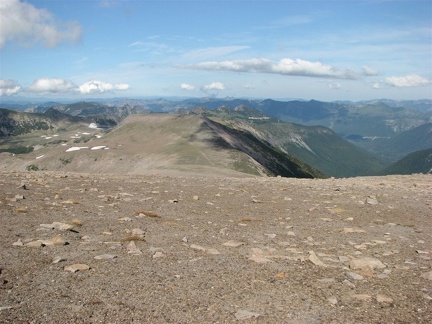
9	88
368	71
411	80
285	66
100	87
214	86
24	23
376	85
186	86
51	85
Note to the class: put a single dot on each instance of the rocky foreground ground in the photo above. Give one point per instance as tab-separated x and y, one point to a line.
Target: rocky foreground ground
79	248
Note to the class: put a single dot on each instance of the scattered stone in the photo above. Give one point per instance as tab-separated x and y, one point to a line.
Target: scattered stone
58	226
77	267
18	243
363	263
185	239
233	244
355	276
371	200
37	243
315	260
105	257
270	236
348	283
125	219
146	213
195	197
332	300
383	299
158	254
138	232
363	297
244	315
55	241
58	259
133	249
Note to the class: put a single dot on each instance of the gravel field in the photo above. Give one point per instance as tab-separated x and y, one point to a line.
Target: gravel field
82	248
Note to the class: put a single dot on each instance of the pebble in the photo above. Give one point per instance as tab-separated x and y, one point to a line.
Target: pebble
233	244
332	300
371	200
363	297
58	259
133	249
77	267
315	260
18	243
158	254
57	225
105	257
355	276
363	263
383	299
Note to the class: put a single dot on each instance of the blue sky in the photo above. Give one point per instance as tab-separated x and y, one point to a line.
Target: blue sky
324	50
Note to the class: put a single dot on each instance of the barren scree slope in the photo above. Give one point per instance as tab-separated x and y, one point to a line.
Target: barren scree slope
81	248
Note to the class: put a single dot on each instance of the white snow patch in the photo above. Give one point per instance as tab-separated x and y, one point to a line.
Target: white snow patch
48	137
93	125
76	148
98	136
86	133
102	147
39	157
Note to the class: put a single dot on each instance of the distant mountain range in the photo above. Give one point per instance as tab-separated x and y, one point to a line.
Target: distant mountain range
338	138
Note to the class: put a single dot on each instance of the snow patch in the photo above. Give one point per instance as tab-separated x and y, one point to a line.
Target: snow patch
76	148
102	147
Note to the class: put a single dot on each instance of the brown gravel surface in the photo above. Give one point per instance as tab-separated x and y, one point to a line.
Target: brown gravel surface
187	249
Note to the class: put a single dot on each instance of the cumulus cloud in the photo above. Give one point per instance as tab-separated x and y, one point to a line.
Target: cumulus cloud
214	86
376	85
368	71
9	88
24	23
411	80
186	86
100	87
285	66
51	85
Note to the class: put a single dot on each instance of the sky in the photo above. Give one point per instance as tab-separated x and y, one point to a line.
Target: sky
323	50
